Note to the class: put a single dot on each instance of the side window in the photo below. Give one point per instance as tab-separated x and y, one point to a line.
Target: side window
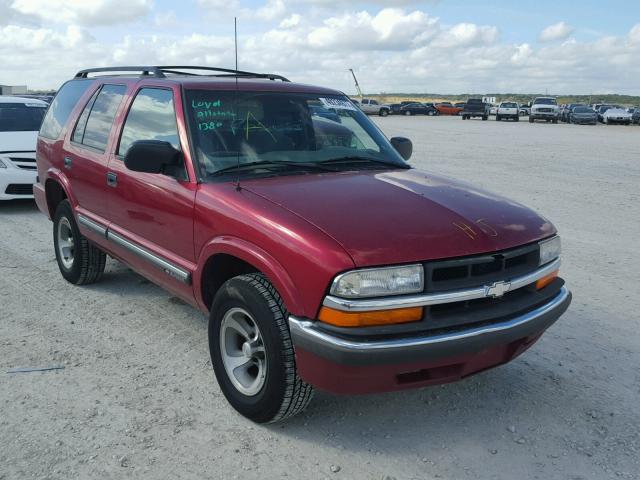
152	117
96	132
78	133
61	107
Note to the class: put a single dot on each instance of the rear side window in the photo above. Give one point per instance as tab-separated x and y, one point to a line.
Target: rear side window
61	107
152	117
78	133
103	111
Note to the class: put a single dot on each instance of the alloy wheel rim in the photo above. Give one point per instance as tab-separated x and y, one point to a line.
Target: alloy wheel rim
66	243
243	351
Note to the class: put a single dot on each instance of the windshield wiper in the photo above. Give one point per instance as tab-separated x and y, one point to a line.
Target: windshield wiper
271	163
361	159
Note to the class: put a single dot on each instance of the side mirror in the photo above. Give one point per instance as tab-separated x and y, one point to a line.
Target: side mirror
403	146
153	156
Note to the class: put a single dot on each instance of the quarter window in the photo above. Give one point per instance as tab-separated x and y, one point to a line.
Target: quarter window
61	107
152	117
100	120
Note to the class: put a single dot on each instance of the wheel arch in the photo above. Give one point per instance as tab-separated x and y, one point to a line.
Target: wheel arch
57	189
226	257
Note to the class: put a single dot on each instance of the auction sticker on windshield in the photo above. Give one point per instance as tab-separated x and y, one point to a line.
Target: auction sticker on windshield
337	103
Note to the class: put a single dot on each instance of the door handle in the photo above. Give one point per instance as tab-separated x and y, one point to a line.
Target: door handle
112	179
67	162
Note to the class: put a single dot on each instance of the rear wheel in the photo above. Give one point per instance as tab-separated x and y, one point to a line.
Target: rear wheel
407	113
555	120
252	353
517	119
530	119
431	113
497	118
485	117
384	112
80	262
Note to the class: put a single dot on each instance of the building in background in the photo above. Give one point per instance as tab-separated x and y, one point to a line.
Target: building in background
13	89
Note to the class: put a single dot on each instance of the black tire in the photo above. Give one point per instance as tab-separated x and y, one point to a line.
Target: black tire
517	119
555	120
283	394
497	118
485	118
464	117
530	119
407	113
88	261
383	112
431	113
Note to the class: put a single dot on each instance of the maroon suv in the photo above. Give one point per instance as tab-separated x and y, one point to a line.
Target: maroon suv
322	258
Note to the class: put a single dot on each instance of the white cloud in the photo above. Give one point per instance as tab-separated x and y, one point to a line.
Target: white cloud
166	19
84	12
291	21
390	29
557	31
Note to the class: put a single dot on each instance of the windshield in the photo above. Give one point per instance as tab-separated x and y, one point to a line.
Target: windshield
544	101
582	110
21	117
283	133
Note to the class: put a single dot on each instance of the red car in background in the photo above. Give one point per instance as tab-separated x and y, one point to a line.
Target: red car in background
447	108
322	258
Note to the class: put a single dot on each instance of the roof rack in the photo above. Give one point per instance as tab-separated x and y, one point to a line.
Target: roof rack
160	71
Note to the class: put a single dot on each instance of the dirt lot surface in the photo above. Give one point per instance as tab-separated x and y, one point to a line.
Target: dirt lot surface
137	397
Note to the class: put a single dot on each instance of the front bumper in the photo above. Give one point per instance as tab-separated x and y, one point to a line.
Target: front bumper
12	177
544	115
343	365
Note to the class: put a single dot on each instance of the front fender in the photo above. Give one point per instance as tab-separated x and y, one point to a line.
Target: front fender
254	255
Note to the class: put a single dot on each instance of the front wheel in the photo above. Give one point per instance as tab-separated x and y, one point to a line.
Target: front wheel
252	353
517	119
530	119
431	113
407	113
498	118
80	262
384	112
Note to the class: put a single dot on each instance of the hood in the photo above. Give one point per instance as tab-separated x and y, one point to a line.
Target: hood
618	112
543	105
404	216
18	141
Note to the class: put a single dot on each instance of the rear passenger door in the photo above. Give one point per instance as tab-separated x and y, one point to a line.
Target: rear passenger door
85	159
152	214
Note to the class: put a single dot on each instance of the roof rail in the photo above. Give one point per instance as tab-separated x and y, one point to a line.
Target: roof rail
159	71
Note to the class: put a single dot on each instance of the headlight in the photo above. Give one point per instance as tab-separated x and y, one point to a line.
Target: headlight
378	282
550	249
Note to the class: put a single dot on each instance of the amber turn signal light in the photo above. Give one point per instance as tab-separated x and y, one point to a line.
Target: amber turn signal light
546	280
369	319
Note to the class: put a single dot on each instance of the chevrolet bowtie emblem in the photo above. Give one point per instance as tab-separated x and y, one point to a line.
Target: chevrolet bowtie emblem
497	290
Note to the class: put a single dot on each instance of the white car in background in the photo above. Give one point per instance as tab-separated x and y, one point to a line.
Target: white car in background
20	120
616	115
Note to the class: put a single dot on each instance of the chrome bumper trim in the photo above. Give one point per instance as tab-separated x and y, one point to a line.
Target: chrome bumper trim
425	299
307	329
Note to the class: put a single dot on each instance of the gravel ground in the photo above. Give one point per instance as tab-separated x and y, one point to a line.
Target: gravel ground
137	397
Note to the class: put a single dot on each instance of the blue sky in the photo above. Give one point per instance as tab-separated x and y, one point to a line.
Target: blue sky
441	46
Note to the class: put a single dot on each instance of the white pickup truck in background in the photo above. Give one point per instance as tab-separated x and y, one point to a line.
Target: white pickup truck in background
508	110
372	107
